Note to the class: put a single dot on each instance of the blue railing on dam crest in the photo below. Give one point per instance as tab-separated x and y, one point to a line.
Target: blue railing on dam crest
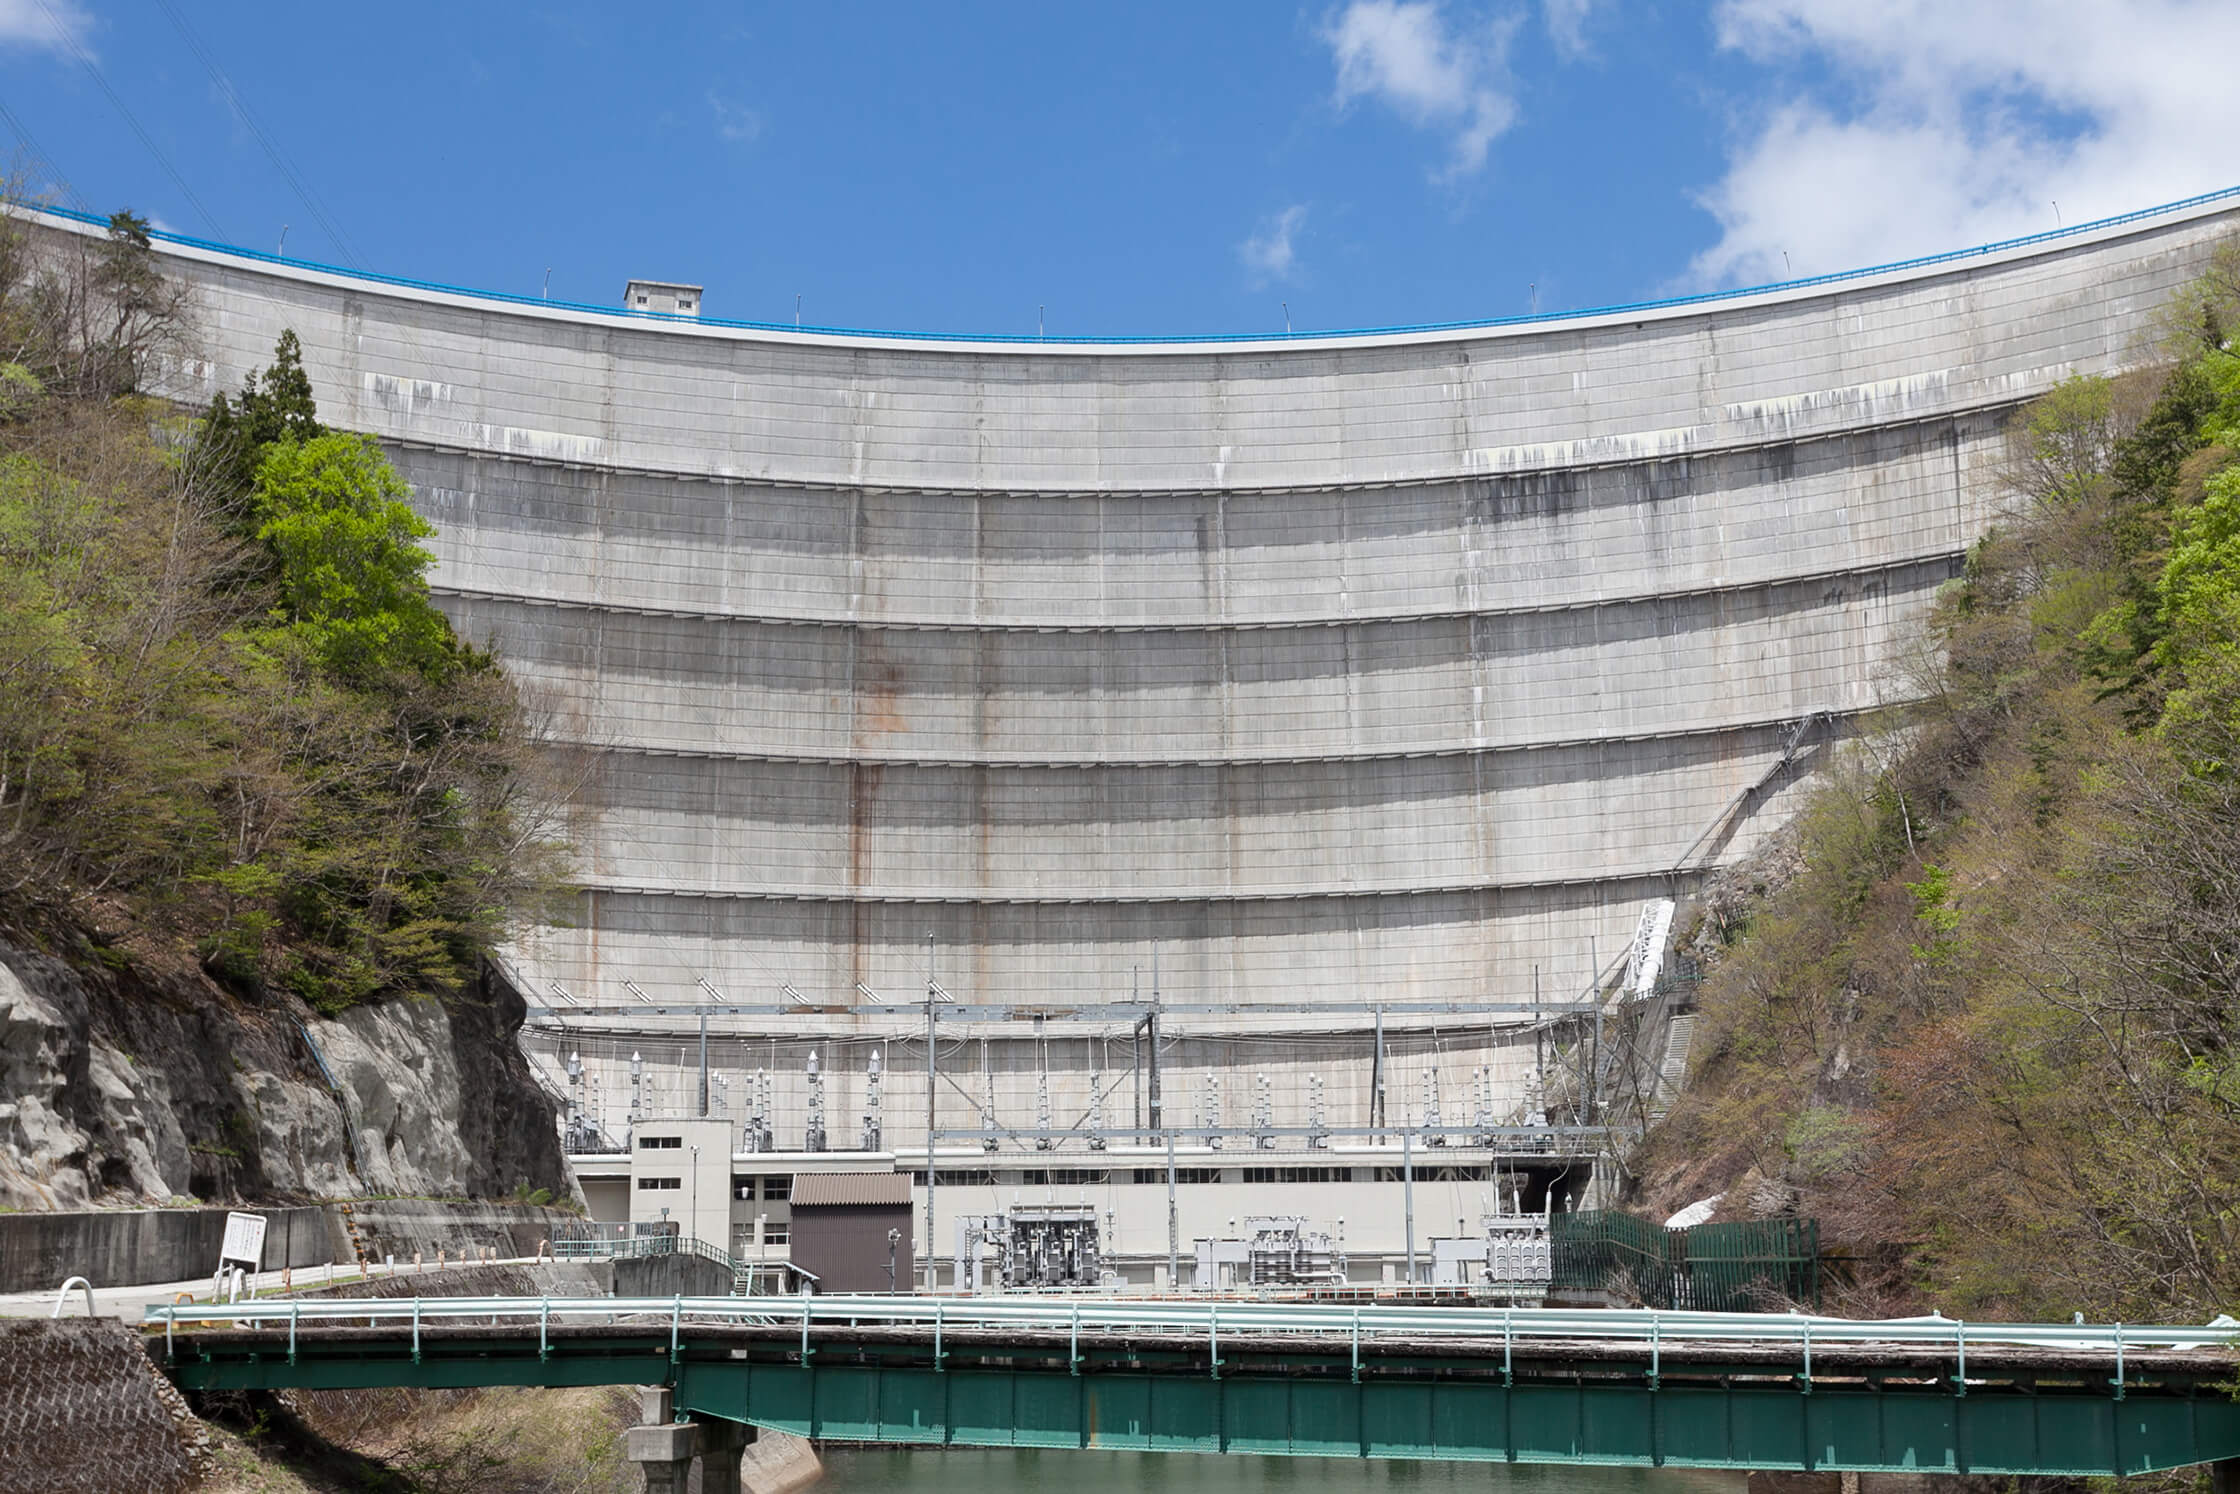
1701	298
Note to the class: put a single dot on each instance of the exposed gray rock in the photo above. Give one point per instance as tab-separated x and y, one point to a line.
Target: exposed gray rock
42	1151
117	1088
299	1134
401	1078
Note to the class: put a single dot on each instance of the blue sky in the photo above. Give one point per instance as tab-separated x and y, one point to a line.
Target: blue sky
1135	169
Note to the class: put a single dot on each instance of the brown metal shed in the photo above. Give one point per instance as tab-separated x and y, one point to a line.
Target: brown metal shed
840	1225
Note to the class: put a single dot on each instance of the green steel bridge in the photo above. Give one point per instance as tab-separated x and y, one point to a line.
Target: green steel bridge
1687	1389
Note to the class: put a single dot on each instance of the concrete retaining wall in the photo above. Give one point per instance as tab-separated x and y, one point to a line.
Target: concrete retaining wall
669	1276
124	1247
127	1247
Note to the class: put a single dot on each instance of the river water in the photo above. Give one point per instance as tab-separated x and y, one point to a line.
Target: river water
983	1471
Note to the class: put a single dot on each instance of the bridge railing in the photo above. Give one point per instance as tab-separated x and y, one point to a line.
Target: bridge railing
1516	1329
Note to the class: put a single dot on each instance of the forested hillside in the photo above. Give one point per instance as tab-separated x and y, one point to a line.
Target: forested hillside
1982	1016
232	725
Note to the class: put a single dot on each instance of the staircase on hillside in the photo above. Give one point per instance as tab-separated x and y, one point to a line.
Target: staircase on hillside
1673	1072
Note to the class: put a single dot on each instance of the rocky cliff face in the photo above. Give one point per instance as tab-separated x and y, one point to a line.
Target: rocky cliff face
118	1086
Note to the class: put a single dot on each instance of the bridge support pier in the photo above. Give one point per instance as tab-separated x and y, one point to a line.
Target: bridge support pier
2224	1476
721	1443
1764	1482
663	1448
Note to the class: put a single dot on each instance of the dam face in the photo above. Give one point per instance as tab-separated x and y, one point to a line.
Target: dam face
1384	668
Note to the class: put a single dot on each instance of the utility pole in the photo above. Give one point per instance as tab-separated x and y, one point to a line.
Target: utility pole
1158	1124
1151	1029
1376	1080
1135	1047
1174	1238
1539	1056
932	1078
1408	1192
1594	1074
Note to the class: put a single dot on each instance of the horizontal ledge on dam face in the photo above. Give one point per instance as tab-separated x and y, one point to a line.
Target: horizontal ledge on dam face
1947	557
1843	719
1992	409
1492	1026
1465	1029
1661	878
1623	773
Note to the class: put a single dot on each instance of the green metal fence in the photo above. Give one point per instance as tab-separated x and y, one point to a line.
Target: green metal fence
1753	1266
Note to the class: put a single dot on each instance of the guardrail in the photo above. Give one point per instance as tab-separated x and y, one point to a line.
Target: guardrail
1513	1328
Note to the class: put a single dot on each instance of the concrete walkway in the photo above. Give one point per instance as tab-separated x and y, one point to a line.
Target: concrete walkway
131	1302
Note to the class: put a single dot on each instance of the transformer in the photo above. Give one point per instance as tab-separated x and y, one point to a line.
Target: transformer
1511	1256
1518	1252
1031	1247
1276	1251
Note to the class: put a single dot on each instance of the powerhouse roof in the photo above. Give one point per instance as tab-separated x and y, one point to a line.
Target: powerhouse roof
838	1189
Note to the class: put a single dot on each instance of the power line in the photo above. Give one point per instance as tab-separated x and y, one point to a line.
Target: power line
304	192
40	160
93	70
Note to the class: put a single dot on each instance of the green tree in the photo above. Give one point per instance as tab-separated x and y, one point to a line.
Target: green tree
2198	610
127	228
2060	453
275	405
283	408
334	512
228	710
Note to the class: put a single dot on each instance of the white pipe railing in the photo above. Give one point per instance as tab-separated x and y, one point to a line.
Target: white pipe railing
1337	1324
63	1296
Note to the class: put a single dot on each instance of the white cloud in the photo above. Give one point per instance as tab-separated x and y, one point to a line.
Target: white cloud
1927	125
1566	21
1403	53
735	124
56	24
1272	253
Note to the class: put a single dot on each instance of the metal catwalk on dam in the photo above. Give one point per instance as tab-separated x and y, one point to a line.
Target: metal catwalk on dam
1386	667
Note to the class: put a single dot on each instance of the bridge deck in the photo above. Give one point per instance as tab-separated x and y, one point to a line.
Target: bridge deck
1881	1361
1480	1384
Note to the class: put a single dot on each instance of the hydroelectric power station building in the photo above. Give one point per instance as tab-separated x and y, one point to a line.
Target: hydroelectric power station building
1253	757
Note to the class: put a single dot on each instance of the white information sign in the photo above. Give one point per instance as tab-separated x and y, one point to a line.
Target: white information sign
244	1244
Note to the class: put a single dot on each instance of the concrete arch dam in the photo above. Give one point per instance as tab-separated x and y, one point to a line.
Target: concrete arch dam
1384	667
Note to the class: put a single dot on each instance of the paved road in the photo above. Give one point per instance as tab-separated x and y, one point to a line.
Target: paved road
131	1302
